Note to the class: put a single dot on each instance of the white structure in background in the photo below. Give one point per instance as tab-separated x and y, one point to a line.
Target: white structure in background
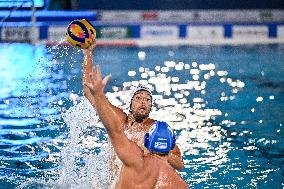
151	28
34	30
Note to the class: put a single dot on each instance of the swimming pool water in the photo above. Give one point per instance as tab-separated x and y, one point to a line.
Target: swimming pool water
226	104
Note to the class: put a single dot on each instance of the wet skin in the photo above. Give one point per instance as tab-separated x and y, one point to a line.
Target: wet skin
135	163
129	122
139	171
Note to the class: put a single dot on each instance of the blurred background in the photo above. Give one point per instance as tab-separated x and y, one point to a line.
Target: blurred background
215	68
182	22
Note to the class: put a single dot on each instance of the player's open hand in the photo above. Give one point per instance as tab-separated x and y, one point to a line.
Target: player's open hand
95	83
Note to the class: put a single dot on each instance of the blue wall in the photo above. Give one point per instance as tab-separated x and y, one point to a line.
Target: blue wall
179	4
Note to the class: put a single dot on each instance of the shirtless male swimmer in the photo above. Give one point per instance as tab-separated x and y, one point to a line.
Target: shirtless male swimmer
137	122
151	171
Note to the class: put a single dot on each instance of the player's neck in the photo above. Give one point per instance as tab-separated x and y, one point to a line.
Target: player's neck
132	119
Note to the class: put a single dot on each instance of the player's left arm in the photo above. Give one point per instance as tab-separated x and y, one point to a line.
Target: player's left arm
175	158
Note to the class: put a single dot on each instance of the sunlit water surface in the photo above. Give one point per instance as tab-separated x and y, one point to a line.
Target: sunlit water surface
226	104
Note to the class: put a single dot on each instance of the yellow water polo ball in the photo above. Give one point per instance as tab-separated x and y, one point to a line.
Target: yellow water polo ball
81	33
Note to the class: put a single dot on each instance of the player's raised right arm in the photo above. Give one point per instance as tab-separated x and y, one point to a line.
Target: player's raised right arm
95	87
88	66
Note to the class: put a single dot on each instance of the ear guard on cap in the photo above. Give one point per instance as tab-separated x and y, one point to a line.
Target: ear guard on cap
160	138
146	140
174	142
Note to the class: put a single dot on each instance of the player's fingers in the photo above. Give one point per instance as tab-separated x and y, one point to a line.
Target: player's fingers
106	79
91	77
99	74
88	85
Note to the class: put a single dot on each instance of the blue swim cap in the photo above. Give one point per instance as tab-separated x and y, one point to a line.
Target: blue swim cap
160	138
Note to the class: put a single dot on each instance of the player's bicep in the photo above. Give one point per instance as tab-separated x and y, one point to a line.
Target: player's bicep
121	115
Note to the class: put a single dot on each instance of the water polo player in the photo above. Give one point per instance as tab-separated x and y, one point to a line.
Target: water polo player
137	122
139	170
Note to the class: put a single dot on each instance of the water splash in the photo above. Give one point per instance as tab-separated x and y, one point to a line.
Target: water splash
182	91
84	157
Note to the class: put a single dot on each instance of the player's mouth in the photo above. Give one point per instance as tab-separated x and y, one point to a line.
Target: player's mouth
143	108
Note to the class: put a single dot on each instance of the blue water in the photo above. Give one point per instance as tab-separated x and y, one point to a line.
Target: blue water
238	146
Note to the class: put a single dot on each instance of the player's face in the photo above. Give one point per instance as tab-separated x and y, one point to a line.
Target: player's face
141	104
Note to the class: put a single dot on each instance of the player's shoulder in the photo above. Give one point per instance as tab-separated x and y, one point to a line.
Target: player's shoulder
149	121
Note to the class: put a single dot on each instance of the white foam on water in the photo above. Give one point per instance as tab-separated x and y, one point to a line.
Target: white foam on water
85	154
141	55
84	157
259	99
131	73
